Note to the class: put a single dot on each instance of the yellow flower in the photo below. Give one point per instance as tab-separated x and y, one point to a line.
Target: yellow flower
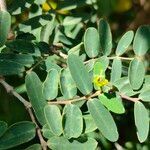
52	4
123	6
48	5
100	81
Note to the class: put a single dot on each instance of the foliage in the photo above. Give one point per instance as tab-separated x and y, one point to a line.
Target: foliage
80	81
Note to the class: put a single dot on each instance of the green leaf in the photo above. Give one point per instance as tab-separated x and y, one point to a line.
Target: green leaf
90	125
69	5
17	134
141	121
50	63
22	46
5	23
21	59
71	20
91	42
72	121
104	61
105	37
124	86
145	95
76	49
50	85
98	69
116	70
47	30
34	91
136	73
34	147
3	127
79	74
90	64
141	41
67	84
53	119
112	103
47	133
54	144
103	120
124	43
10	68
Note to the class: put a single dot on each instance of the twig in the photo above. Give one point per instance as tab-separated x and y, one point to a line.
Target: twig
118	146
122	58
27	105
129	98
3	5
97	93
42	141
34	66
10	90
64	102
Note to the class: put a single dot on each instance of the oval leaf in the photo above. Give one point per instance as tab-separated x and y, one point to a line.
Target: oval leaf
17	134
103	120
79	74
124	43
105	37
141	121
112	103
46	132
50	85
141	41
136	73
145	95
91	42
67	84
89	123
104	61
3	127
5	22
34	91
54	144
116	70
53	119
72	121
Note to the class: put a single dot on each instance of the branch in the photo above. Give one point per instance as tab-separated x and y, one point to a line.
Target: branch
70	101
10	90
129	98
27	105
3	5
97	93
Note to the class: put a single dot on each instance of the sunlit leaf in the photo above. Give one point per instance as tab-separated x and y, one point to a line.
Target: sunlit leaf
91	42
141	121
34	91
54	144
72	121
103	120
53	119
80	74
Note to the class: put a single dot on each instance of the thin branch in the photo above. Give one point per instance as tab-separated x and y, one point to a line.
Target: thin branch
97	93
42	141
118	146
122	58
37	64
10	90
3	5
70	101
129	98
27	105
